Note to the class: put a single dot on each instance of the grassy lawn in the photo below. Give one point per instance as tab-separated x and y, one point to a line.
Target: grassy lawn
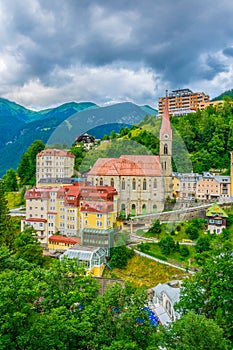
177	229
154	250
145	272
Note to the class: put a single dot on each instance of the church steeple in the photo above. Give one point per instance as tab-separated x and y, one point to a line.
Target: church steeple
165	150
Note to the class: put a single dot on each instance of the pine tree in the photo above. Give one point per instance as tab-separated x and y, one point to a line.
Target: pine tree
6	229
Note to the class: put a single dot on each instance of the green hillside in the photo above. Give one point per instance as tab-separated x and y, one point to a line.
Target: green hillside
201	140
228	93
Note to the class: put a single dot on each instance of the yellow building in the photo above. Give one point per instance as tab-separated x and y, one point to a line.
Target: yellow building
61	243
92	258
98	220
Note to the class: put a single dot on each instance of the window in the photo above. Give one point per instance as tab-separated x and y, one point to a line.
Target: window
144	209
144	184
154	208
99	215
112	182
133	210
123	184
155	183
99	223
101	181
133	184
165	150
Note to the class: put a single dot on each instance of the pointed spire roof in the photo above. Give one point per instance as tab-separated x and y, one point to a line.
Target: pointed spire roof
166	126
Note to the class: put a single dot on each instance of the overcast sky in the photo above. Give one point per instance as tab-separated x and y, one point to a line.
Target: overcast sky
105	51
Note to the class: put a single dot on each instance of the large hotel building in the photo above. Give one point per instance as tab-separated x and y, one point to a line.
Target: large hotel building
182	102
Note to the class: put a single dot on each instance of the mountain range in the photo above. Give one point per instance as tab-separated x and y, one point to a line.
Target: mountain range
21	126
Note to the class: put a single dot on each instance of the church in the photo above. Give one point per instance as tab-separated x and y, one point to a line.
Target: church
143	182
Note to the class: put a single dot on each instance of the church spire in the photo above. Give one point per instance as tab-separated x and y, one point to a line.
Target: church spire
166	127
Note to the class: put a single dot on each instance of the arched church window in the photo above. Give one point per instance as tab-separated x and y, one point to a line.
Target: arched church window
112	182
144	209
133	184
101	181
144	184
123	184
123	210
154	208
133	210
165	151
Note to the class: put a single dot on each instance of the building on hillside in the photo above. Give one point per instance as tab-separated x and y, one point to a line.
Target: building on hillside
163	297
98	214
50	210
68	210
92	258
88	141
57	243
204	105
182	101
143	182
213	187
185	184
216	218
54	163
41	211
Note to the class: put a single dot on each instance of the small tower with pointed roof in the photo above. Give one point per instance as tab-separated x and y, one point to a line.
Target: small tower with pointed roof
165	150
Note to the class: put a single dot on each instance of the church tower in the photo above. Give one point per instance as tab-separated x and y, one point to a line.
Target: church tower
165	150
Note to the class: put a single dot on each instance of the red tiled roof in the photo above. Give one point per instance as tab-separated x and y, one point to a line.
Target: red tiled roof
128	165
42	192
36	220
64	239
97	207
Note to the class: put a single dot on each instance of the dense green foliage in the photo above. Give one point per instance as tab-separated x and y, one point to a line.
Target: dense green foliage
193	332
27	165
7	230
10	181
209	292
208	136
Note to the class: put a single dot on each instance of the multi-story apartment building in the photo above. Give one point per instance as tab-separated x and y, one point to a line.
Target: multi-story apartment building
182	101
185	184
211	187
51	210
41	212
57	243
54	163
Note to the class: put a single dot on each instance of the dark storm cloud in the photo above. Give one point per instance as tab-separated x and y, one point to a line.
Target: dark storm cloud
178	41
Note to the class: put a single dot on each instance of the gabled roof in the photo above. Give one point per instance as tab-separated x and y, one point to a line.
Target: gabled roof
172	292
216	210
128	165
